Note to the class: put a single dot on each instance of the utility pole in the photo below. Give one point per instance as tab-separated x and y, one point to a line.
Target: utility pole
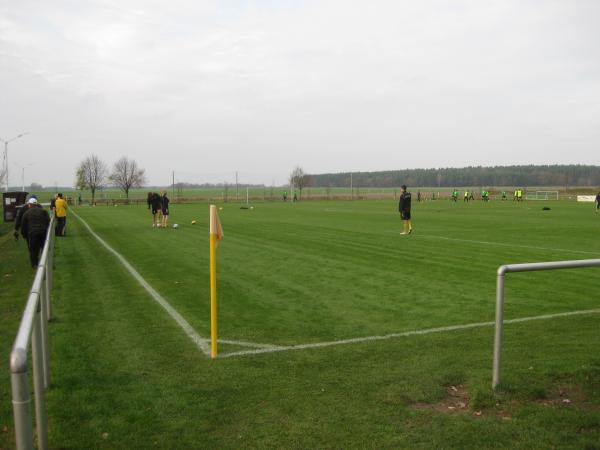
6	155
237	188
351	188
173	185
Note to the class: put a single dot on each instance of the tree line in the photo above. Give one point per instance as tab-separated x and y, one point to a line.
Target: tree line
93	174
531	175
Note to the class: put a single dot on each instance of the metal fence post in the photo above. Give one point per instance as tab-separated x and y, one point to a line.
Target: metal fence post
41	418
499	324
44	333
525	267
50	268
21	400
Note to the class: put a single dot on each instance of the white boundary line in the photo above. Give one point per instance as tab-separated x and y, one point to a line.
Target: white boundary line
203	343
503	244
404	334
200	342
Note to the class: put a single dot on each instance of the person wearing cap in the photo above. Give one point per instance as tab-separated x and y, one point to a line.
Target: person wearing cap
34	227
20	211
60	210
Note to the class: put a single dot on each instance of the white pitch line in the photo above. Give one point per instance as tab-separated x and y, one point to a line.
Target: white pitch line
503	244
404	334
203	343
246	344
200	342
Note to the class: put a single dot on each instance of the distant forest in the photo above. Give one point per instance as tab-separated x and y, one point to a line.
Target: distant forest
571	175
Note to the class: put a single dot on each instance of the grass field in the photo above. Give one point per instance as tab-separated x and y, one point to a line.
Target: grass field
125	375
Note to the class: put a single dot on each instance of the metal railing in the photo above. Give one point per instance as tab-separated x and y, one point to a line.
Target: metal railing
33	331
529	267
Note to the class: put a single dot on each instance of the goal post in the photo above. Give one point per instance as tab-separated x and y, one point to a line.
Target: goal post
541	195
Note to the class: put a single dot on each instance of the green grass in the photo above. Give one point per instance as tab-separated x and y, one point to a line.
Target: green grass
126	376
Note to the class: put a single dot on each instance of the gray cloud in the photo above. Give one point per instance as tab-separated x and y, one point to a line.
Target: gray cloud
208	88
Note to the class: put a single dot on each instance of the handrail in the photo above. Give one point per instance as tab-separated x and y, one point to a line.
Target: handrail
527	267
33	331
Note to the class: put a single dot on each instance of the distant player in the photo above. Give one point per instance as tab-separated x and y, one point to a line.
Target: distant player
404	208
155	207
419	196
503	195
164	203
597	202
466	198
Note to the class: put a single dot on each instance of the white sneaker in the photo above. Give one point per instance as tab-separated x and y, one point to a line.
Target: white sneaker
404	232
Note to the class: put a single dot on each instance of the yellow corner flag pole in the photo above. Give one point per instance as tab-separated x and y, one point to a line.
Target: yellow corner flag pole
216	234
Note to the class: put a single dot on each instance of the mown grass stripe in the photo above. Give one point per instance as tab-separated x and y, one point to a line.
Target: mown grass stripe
404	334
200	342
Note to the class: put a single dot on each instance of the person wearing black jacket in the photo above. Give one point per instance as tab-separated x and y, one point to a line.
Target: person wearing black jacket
34	227
404	208
156	208
165	209
19	217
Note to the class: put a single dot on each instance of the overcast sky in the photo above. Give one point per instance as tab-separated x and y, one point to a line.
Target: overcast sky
206	88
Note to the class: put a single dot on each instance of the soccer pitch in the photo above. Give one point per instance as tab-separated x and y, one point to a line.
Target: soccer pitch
293	274
335	300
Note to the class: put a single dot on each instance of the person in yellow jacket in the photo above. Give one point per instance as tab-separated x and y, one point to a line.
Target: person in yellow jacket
60	210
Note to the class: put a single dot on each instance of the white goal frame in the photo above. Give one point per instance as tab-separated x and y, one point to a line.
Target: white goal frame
541	195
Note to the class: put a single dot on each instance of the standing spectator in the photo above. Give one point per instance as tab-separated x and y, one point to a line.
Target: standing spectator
34	227
404	208
19	218
597	202
60	211
52	203
165	209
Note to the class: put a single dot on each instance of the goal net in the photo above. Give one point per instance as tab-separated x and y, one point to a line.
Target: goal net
542	195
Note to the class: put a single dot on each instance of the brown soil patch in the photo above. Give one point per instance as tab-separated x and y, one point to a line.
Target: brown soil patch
455	401
567	397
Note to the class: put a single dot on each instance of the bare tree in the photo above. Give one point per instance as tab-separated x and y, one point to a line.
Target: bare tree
299	179
126	175
91	174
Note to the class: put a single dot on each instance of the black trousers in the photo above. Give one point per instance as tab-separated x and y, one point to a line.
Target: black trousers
61	222
35	242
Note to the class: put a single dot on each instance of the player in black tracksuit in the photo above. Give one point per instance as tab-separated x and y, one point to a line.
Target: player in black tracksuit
34	227
156	208
404	208
164	203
